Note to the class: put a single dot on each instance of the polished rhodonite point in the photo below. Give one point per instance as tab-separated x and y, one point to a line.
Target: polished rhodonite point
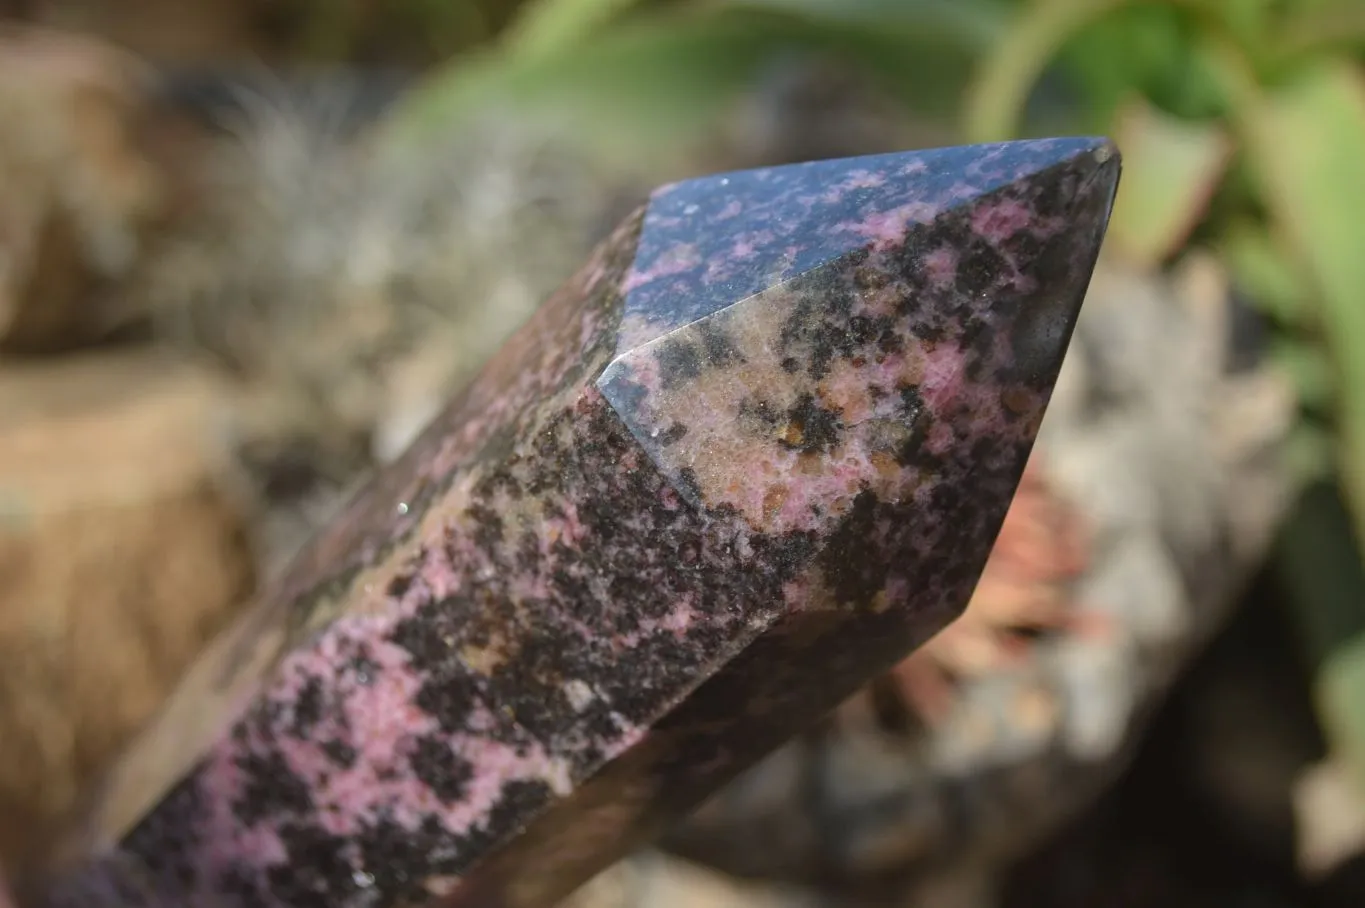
793	335
754	453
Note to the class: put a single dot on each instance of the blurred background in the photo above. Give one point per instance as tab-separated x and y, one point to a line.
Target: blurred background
248	247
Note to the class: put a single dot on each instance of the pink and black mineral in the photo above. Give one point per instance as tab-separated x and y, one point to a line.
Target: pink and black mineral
753	454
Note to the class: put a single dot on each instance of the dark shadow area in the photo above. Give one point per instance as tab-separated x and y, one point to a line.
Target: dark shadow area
1204	817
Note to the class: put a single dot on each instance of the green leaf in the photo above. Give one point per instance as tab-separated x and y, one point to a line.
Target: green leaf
1341	695
646	85
1319	562
1324	26
547	26
1309	453
1147	48
1306	142
1244	18
1310	371
995	102
1171	168
978	22
1261	267
1251	23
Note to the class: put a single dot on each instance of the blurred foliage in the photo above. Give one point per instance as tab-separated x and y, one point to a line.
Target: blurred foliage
1245	118
1319	560
645	76
1242	124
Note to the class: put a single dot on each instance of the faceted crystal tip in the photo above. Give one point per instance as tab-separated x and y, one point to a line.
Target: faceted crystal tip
796	337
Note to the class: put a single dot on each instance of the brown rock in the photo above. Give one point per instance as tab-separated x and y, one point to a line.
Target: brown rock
76	193
178	30
119	556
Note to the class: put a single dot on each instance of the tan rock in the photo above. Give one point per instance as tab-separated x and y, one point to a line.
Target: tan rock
1330	812
119	557
76	192
652	880
185	31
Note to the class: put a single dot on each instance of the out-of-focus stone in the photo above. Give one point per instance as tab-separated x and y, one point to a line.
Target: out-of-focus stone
653	880
118	557
1331	817
76	193
175	30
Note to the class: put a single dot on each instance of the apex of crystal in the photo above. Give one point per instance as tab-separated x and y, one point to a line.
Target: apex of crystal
797	336
710	242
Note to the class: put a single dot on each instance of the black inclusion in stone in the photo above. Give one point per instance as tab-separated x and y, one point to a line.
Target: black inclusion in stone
316	873
854	570
679	361
717	346
307	708
440	768
342	754
269	788
811	428
162	839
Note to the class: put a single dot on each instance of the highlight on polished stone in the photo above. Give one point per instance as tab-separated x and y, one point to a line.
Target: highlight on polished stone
754	453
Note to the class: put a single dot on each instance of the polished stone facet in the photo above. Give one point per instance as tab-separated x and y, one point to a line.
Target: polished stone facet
753	454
